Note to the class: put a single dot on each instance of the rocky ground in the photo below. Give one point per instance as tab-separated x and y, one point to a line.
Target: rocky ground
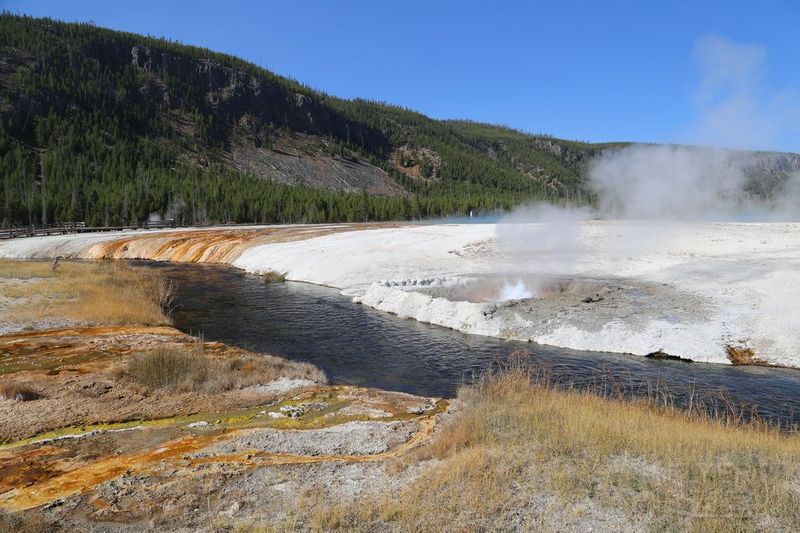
211	467
84	445
590	306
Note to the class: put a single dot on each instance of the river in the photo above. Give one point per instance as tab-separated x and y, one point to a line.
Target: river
358	345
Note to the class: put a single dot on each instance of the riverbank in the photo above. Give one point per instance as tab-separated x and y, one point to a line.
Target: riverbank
356	344
114	404
712	292
521	455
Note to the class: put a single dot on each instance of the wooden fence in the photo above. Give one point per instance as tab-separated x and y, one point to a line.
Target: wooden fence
75	227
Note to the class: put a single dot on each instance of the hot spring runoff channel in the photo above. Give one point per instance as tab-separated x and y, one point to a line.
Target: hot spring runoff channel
358	345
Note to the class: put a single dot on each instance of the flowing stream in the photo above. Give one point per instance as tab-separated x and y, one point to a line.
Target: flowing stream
358	345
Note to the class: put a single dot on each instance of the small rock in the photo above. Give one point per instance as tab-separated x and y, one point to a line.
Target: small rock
55	503
231	511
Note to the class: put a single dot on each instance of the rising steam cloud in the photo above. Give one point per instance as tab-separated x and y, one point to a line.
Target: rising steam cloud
691	183
715	179
735	109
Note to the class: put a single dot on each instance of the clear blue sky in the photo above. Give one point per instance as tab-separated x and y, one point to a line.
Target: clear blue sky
597	71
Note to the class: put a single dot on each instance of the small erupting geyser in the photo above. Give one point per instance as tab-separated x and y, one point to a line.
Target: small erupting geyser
508	288
516	291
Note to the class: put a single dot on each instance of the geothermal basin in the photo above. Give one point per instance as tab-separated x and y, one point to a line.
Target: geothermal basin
698	291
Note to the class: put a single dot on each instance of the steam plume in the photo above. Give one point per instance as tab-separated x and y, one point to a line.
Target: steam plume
714	180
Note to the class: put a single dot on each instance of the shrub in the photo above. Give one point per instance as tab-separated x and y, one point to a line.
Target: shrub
192	369
235	364
18	391
163	292
274	277
167	369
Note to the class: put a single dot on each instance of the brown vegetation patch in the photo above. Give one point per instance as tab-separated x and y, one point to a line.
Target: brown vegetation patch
20	392
743	355
198	370
84	293
169	369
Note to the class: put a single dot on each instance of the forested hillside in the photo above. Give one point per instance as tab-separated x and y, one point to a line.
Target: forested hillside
109	127
112	128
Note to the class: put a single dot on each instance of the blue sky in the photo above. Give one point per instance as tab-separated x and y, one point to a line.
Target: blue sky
709	72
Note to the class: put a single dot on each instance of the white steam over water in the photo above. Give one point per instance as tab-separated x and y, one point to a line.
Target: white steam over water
689	183
659	185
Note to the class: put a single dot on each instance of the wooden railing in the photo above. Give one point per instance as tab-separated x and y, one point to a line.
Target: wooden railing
75	227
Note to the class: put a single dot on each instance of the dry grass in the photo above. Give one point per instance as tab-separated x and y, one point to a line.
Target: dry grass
522	454
21	392
97	293
169	369
193	369
18	269
743	355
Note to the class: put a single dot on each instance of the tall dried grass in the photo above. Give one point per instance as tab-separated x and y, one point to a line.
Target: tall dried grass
190	369
106	292
21	392
524	453
166	369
